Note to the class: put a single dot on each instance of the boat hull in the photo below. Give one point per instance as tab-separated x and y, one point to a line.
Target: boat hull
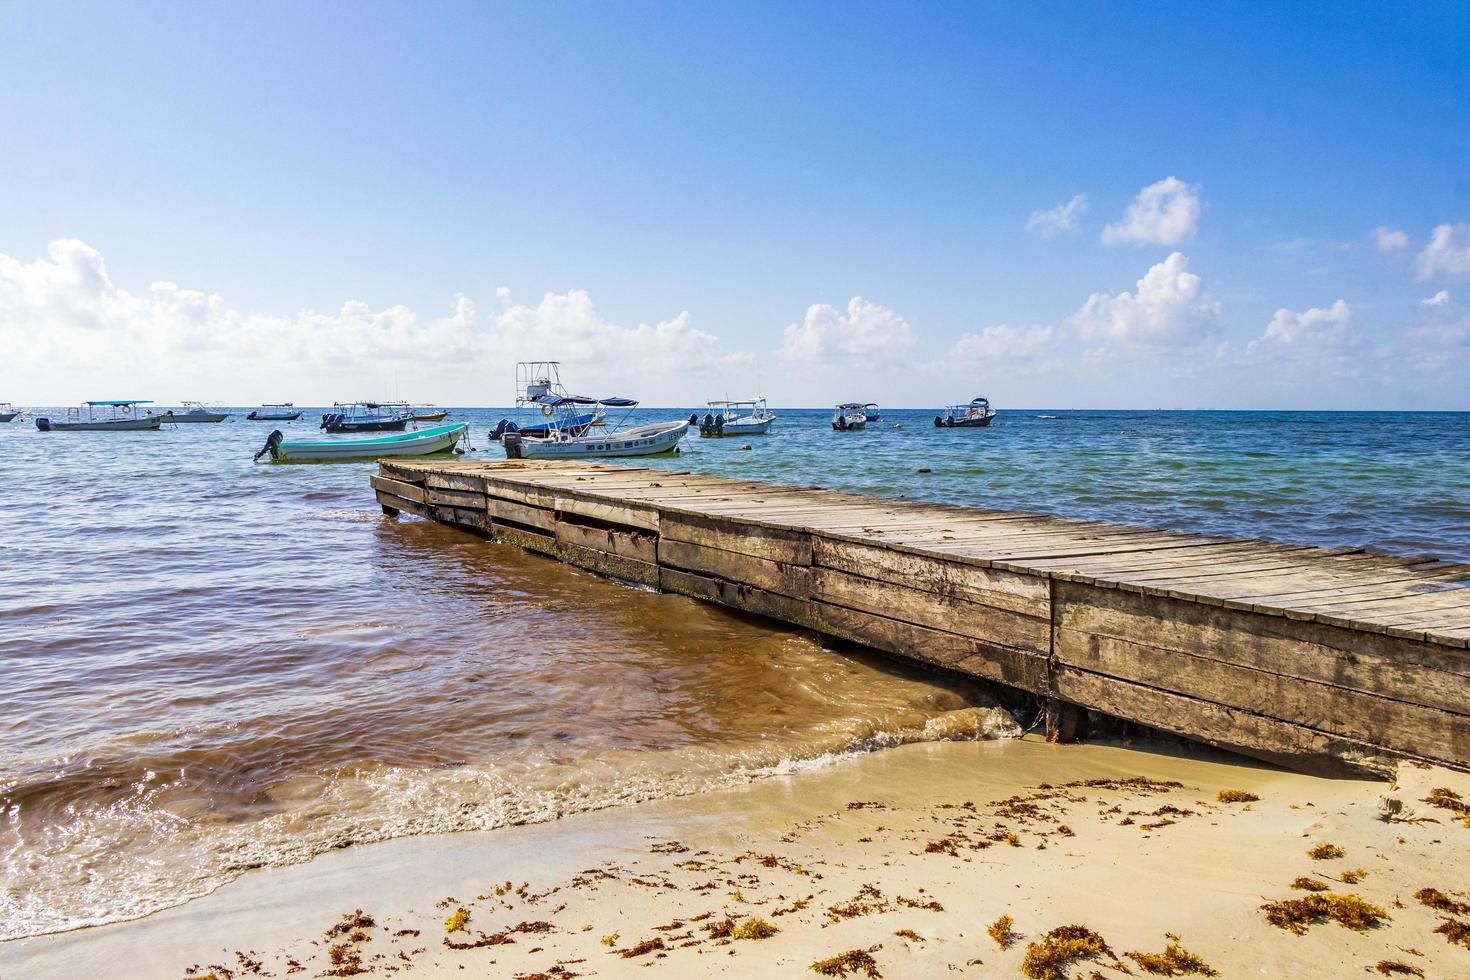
195	417
375	425
738	428
9	416
426	442
849	424
431	417
980	423
149	422
648	440
273	416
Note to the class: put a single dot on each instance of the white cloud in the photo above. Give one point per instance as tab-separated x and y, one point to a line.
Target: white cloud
1164	213
1447	254
868	332
1063	217
1438	299
1312	333
1002	343
64	319
1169	309
1389	239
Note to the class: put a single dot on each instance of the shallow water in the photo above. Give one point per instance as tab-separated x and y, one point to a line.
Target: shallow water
212	665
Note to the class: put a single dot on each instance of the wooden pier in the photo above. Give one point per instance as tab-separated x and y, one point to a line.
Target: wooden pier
1327	660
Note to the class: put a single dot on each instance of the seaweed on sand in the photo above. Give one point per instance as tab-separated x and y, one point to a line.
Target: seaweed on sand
1455	931
457	921
1298	914
1000	930
1325	852
1305	884
854	960
909	934
1391	967
646	946
755	928
1059	949
1174	961
1448	799
1236	796
1440	902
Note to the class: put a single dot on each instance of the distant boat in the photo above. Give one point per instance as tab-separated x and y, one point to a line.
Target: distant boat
425	442
103	416
368	417
539	387
429	413
974	414
850	417
738	418
278	412
566	432
644	440
870	412
8	412
193	412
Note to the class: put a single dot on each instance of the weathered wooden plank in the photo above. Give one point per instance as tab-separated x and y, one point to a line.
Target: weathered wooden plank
1250	734
610	565
737	596
941	612
1005	590
402	504
535	517
476	520
404	473
455	498
776	544
772	576
1369	662
1017	668
464	481
529	540
638	546
398	488
1414	728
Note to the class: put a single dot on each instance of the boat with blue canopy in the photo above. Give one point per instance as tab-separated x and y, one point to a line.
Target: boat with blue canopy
735	418
115	415
974	414
568	421
368	416
849	417
425	442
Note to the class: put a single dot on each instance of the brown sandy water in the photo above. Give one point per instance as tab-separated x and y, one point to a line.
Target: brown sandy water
247	667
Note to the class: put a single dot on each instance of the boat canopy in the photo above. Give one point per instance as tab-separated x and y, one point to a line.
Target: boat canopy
123	401
868	405
852	405
564	400
618	402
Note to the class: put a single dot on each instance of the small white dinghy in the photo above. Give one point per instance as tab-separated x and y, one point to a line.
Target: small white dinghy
193	412
425	442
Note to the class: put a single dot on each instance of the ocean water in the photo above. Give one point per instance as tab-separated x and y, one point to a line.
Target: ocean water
213	665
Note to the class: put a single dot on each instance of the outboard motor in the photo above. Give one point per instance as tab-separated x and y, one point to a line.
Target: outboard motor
501	428
272	442
44	424
938	422
512	443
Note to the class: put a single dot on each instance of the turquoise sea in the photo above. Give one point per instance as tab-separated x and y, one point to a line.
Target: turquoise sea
213	665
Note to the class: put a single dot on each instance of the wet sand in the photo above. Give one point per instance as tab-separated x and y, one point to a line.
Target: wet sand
904	856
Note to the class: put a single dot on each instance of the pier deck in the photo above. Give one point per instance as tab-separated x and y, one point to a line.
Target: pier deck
1326	660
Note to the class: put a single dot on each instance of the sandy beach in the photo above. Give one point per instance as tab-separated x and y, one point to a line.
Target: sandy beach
897	863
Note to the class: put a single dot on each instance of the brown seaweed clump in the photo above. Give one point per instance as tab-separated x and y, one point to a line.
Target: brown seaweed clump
1000	930
1174	961
909	934
754	928
1440	902
854	960
457	921
1391	967
1349	911
1352	876
1059	949
647	946
1305	884
353	922
1448	799
1325	852
1455	931
1236	796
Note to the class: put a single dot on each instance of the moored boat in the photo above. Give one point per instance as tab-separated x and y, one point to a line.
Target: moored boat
568	420
735	418
429	413
424	442
871	413
277	412
974	414
193	412
8	412
102	416
849	417
368	416
643	440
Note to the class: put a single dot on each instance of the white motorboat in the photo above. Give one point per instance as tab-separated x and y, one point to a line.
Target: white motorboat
8	412
974	414
849	417
277	412
424	442
736	418
102	416
193	412
643	440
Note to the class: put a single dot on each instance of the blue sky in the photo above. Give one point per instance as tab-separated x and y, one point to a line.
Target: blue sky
738	174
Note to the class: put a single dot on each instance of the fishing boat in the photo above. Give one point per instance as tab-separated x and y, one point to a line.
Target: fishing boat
277	412
735	418
424	442
643	440
850	417
103	416
871	413
429	413
539	389
8	412
368	417
974	414
565	431
193	412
